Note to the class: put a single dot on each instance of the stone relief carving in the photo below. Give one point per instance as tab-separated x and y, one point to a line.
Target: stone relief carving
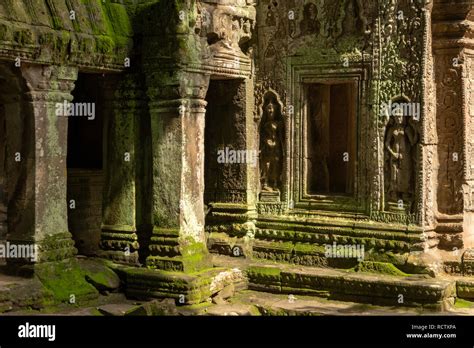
353	21
400	161
228	28
372	32
310	23
262	87
401	42
270	20
271	50
271	144
398	64
342	26
450	150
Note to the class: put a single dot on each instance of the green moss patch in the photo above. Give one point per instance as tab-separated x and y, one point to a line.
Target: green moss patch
99	275
379	267
66	281
70	280
263	272
460	303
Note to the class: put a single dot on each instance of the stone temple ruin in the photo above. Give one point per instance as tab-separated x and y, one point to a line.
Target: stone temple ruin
181	148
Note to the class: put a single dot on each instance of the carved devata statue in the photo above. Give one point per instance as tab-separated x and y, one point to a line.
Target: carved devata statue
271	145
401	138
310	23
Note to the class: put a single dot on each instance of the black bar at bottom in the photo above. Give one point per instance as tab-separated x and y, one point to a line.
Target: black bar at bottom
238	331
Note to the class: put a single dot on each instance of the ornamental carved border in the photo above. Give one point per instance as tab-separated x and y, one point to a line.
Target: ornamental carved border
388	37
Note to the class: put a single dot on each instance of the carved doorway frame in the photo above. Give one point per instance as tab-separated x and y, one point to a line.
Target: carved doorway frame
300	77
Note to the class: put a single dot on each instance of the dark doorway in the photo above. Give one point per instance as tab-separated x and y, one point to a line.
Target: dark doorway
331	138
85	162
85	132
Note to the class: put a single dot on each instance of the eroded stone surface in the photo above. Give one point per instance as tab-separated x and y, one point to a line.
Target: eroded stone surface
304	90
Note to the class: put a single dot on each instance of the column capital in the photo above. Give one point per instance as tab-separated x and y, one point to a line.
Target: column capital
49	77
49	83
180	85
453	26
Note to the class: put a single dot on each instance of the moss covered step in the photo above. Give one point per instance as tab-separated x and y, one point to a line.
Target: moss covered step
379	289
185	288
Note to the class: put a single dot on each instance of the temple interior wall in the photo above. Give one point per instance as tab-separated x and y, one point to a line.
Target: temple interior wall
327	153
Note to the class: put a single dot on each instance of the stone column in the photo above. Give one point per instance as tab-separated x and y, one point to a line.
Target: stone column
177	110
455	179
252	137
43	219
3	181
468	146
119	238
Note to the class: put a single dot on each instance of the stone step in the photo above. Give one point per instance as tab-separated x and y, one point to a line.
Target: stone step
352	286
269	304
345	285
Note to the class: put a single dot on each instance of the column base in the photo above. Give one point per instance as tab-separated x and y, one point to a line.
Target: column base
120	244
55	247
468	262
231	229
270	196
168	252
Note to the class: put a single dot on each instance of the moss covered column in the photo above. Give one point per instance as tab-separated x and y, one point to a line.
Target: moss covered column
45	222
119	238
177	110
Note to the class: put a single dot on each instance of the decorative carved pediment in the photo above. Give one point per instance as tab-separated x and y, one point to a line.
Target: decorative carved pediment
227	26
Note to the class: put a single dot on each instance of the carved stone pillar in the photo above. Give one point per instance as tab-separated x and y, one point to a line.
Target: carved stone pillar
452	66
468	184
231	190
43	217
231	182
177	111
119	238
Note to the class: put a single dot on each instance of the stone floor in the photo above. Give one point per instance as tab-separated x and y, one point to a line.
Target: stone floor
231	301
246	303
